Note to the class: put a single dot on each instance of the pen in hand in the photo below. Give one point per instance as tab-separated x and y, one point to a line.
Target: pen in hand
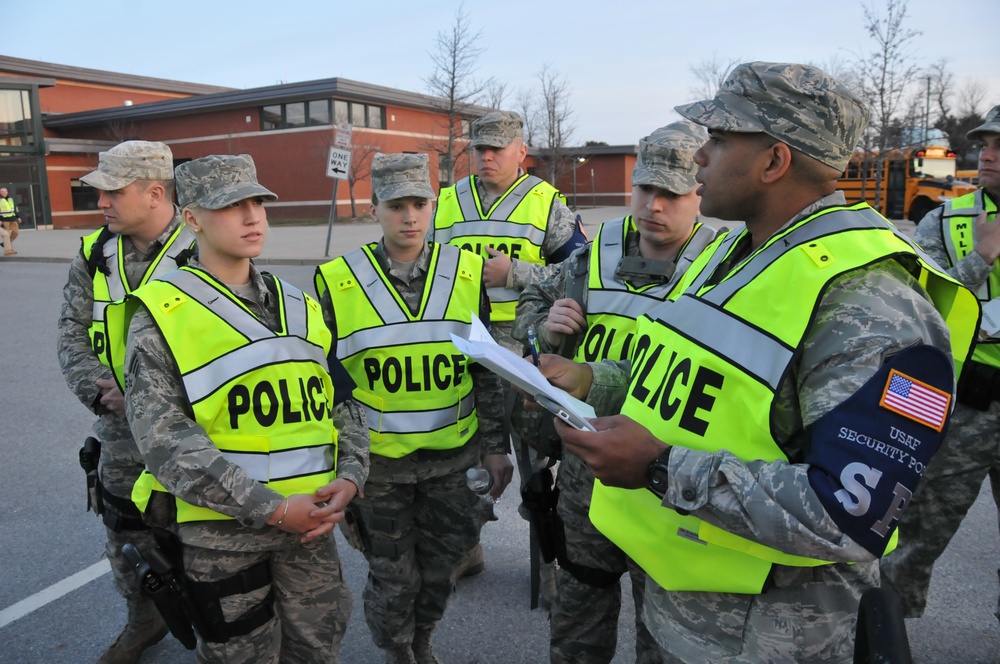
533	346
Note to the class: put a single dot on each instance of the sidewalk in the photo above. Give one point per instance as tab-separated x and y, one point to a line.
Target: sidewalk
286	245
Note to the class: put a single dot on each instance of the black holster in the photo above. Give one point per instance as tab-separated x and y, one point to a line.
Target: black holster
191	608
979	385
90	457
540	498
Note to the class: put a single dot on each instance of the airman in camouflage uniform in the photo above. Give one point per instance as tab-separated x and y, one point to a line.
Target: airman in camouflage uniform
481	207
135	180
663	231
780	135
972	450
418	517
256	527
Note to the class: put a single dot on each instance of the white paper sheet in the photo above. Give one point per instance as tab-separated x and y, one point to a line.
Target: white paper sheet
481	347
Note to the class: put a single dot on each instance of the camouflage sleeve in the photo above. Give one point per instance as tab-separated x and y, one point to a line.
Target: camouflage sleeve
864	318
607	392
971	270
563	237
352	442
79	363
535	301
177	451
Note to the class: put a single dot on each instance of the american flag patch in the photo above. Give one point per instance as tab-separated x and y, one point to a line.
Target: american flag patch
918	401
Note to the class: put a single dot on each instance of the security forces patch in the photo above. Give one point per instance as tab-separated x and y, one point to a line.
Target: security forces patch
868	453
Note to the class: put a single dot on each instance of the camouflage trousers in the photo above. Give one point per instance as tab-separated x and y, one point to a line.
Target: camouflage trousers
122	571
417	534
311	603
584	618
947	489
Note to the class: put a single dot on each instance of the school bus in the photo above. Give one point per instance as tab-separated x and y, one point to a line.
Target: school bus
970	176
914	180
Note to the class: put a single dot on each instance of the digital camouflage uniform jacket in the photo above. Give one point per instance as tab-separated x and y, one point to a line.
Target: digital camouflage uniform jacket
179	453
408	279
864	317
121	463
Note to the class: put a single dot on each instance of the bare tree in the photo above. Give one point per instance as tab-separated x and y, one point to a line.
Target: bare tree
710	75
555	123
971	98
526	105
494	93
455	56
361	168
885	74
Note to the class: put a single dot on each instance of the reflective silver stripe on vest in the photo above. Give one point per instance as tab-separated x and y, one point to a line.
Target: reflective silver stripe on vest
432	329
623	303
759	354
496	228
386	336
295	309
978	205
283	464
948	215
265	348
503	208
218	303
117	288
411	422
816	228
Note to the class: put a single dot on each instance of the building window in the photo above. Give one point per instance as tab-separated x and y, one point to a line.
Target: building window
340	114
15	118
84	196
270	117
318	112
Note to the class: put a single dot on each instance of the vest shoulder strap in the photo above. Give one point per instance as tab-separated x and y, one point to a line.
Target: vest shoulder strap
96	260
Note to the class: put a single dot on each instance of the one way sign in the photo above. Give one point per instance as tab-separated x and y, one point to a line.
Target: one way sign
338	164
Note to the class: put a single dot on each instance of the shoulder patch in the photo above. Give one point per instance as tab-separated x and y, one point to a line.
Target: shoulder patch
866	456
916	400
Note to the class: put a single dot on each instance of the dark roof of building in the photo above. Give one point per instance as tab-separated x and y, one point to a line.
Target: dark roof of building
68	73
588	150
341	88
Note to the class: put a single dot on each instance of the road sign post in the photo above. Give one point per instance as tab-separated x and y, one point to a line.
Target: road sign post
338	166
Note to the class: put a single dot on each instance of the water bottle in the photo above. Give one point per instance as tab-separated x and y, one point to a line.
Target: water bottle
479	481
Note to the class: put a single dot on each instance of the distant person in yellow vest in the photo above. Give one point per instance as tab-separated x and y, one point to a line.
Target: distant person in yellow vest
632	265
144	236
393	306
777	411
519	224
241	413
963	235
10	220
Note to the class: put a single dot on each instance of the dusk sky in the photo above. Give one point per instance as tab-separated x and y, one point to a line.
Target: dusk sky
626	64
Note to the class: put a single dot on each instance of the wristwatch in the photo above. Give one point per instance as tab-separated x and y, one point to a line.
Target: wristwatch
657	474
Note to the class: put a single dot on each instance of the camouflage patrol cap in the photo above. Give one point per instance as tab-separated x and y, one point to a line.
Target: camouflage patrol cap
799	105
991	126
401	175
666	157
497	129
130	161
218	180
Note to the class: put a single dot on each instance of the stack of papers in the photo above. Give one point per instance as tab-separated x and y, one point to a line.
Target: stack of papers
481	347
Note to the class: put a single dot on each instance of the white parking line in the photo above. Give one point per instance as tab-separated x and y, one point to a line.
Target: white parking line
53	592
